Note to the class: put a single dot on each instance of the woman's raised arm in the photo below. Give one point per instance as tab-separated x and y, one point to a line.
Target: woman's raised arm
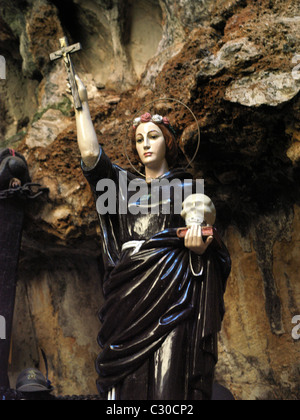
86	135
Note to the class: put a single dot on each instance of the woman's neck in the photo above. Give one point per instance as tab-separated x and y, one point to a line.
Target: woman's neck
156	172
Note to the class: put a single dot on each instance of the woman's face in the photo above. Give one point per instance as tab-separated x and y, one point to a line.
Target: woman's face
150	144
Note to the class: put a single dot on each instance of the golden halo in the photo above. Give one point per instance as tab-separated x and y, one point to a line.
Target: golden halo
139	113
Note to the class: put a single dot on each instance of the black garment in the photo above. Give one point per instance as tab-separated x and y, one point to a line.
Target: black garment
159	321
12	165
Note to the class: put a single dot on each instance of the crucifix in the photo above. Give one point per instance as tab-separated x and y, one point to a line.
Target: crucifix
65	53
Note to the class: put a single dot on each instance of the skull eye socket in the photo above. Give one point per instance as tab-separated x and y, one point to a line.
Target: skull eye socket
187	206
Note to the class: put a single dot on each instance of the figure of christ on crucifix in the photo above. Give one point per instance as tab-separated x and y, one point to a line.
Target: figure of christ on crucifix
65	53
163	309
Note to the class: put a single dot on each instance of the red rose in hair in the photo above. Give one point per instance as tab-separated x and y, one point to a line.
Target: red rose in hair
146	117
166	121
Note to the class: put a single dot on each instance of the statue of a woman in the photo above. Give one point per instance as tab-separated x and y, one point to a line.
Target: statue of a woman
160	319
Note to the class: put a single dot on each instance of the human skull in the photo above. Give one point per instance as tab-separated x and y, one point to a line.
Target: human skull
198	209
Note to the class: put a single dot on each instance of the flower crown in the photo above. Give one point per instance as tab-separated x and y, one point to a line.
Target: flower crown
158	119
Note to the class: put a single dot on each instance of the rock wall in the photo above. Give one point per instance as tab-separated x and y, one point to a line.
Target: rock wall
235	64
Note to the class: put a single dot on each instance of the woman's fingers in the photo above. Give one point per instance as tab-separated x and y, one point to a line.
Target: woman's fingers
193	237
81	89
194	240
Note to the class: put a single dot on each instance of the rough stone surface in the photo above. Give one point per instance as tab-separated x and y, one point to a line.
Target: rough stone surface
263	88
235	63
259	362
45	131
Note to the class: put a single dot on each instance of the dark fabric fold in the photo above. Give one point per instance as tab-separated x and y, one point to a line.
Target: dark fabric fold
152	298
148	295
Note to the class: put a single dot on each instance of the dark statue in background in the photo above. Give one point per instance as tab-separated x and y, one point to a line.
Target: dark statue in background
14	175
163	290
16	190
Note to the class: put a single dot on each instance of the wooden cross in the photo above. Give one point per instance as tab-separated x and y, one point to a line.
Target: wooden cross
64	53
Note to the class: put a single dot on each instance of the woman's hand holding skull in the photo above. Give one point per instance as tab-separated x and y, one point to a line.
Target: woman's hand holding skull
196	209
194	240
